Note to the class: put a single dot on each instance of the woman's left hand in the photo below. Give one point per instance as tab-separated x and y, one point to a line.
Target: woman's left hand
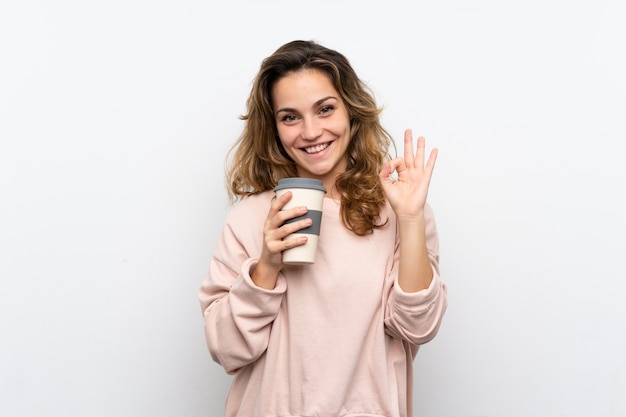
407	195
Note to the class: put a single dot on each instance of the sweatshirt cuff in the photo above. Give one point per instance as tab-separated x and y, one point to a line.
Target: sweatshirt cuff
418	298
248	266
247	300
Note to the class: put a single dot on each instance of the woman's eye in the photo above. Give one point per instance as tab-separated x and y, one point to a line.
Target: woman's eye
327	109
288	118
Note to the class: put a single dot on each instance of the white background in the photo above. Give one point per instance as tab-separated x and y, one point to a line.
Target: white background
115	117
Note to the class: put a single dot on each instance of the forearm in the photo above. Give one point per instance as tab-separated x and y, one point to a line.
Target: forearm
238	315
414	271
264	276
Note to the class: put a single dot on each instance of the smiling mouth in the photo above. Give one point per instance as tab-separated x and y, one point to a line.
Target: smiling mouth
317	148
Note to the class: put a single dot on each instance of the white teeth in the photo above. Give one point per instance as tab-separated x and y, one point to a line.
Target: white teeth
316	148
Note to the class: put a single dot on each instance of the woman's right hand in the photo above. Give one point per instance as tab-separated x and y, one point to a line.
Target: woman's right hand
274	231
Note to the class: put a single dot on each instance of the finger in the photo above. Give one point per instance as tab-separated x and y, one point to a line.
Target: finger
284	216
385	172
292	242
277	228
421	151
281	238
389	167
278	214
294	227
408	148
278	245
432	159
278	202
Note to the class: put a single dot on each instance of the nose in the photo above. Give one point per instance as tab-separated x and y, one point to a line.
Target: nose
311	129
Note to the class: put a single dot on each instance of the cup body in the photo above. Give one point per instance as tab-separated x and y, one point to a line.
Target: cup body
310	193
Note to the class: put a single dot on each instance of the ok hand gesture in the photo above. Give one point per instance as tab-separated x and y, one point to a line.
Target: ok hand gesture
407	195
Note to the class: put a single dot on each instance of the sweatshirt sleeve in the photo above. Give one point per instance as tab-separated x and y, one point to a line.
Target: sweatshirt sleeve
416	317
237	314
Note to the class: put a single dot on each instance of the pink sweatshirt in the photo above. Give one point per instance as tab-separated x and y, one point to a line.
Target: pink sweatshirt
336	338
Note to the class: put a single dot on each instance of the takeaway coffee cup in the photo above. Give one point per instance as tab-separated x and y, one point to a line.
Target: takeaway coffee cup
306	192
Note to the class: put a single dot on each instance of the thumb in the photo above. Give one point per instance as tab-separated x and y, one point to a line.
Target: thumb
385	173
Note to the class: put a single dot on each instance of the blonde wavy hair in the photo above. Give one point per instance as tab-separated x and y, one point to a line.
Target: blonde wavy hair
258	161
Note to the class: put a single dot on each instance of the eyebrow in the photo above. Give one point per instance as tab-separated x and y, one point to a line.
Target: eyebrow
317	103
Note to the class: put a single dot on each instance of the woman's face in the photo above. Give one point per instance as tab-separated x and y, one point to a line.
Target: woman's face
313	124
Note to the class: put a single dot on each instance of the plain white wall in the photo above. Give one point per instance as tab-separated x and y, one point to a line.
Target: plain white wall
115	117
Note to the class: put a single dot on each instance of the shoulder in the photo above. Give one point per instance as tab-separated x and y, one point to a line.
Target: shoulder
244	223
253	201
250	209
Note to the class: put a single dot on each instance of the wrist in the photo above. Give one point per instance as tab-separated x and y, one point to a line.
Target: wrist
264	276
411	218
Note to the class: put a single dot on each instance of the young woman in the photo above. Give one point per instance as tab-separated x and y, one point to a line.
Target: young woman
338	337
